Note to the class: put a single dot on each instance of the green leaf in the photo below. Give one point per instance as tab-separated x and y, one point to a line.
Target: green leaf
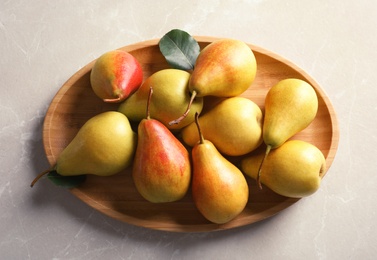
180	49
66	181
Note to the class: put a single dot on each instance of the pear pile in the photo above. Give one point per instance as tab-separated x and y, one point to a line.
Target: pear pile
177	147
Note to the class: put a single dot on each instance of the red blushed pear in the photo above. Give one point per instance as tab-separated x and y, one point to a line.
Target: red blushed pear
115	76
161	168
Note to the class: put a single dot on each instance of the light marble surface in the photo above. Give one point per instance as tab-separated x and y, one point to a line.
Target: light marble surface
42	43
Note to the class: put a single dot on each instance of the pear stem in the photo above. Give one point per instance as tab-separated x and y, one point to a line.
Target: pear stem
149	102
268	149
201	138
40	176
179	119
112	100
322	170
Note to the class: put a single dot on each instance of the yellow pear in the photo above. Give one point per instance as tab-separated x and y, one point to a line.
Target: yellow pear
234	126
294	169
219	189
224	68
170	98
290	106
104	146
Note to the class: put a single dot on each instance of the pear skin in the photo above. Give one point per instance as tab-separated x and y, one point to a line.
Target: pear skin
234	126
115	76
161	169
219	189
294	169
170	98
290	106
224	68
104	145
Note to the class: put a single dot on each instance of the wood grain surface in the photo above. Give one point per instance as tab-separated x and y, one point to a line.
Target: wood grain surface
117	197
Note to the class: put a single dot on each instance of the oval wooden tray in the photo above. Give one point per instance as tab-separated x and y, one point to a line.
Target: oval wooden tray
117	197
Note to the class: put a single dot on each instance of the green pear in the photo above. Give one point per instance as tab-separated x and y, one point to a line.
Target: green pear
161	168
219	189
104	146
224	68
290	106
234	126
294	169
170	97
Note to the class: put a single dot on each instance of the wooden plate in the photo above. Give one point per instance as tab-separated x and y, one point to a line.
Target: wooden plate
117	197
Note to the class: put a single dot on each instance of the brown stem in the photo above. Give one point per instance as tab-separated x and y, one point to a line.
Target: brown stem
268	149
112	100
179	119
149	103
322	170
40	176
201	138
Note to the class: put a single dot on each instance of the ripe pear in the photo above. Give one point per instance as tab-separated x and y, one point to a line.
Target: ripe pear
219	189
290	106
294	169
161	168
234	126
115	76
170	97
104	146
224	68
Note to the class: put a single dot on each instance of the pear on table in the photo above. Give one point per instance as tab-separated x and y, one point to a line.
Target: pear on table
219	189
294	169
161	168
170	98
234	126
104	145
290	106
224	68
